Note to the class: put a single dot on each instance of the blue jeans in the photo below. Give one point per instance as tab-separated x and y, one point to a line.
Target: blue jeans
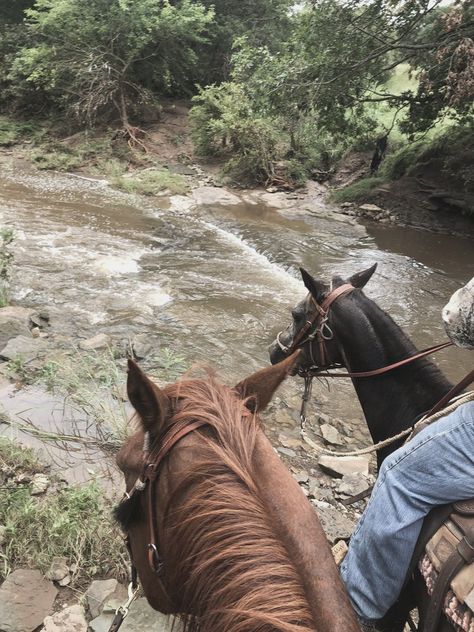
436	467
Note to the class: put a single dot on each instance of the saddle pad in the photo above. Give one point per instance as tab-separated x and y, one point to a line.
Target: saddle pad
461	617
439	549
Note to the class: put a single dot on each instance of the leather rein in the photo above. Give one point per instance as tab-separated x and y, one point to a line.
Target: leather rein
147	482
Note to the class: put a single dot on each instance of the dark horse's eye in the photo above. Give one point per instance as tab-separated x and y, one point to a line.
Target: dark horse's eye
297	313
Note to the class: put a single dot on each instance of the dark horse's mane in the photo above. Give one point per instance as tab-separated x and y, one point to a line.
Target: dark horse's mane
370	339
224	561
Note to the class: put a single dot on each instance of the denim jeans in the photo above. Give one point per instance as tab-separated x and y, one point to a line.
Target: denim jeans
436	467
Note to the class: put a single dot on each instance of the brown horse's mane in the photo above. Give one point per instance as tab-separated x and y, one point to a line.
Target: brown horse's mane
224	561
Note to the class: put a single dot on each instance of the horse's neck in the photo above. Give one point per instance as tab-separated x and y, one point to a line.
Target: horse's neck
391	402
300	530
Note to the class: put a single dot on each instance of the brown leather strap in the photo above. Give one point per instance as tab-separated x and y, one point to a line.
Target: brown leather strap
457	388
320	313
170	439
389	367
464	554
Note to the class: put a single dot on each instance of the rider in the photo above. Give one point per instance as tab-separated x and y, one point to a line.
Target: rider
435	468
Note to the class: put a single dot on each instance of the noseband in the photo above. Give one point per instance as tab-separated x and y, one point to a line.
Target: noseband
317	327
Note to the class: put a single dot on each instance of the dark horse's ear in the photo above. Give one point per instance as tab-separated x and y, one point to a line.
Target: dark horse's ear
260	386
316	288
360	279
148	400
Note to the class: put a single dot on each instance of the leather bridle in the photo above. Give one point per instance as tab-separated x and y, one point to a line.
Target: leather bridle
317	327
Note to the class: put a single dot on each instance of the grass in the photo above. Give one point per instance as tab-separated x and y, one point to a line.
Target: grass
151	182
6	257
73	522
356	191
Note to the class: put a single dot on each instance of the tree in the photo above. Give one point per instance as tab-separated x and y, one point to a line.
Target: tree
91	57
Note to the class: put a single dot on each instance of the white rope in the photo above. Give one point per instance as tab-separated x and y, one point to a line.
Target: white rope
456	402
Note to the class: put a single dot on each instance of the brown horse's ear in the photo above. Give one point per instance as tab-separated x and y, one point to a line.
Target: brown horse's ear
148	400
360	279
260	386
316	288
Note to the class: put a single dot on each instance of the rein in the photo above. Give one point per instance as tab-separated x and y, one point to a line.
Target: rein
148	479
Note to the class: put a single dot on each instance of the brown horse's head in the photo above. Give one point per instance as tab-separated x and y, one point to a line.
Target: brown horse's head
225	566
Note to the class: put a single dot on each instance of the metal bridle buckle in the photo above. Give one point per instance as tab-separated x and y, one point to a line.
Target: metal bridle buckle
157	561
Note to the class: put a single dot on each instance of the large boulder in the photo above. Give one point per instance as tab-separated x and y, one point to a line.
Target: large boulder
70	619
26	598
24	347
11	328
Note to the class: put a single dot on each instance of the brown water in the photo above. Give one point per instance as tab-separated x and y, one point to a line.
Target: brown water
214	283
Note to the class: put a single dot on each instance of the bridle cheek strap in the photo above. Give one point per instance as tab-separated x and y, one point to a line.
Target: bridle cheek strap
319	319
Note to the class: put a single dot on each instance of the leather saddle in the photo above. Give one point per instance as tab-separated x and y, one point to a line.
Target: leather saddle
444	555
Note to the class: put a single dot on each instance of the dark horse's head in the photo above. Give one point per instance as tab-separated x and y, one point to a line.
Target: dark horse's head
356	333
303	318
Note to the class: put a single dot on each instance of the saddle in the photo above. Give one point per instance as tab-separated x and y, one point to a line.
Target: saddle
444	555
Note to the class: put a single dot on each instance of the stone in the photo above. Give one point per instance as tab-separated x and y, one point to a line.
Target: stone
23	315
101	590
65	581
300	476
352	484
142	347
331	435
288	442
58	569
101	623
182	170
339	552
36	332
23	347
26	598
100	341
142	617
71	619
39	484
11	328
340	465
214	195
335	525
370	209
287	452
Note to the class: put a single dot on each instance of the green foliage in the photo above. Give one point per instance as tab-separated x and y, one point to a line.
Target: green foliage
357	191
151	182
93	57
168	365
73	522
6	257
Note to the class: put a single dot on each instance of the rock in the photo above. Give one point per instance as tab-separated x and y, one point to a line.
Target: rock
340	465
339	552
24	315
352	484
23	347
26	598
142	617
36	332
101	623
71	619
65	581
335	525
272	189
182	170
58	569
11	328
331	434
39	484
142	347
288	442
100	341
101	590
301	476
370	209
287	452
346	205
214	195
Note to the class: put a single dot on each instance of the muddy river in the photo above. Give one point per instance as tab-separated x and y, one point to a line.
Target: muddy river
213	282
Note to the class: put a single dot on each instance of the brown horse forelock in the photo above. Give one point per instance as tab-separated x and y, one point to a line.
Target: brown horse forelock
223	560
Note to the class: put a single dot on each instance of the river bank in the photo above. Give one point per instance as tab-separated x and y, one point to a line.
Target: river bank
166	165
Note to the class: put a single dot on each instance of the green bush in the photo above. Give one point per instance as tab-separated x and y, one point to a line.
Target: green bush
357	191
